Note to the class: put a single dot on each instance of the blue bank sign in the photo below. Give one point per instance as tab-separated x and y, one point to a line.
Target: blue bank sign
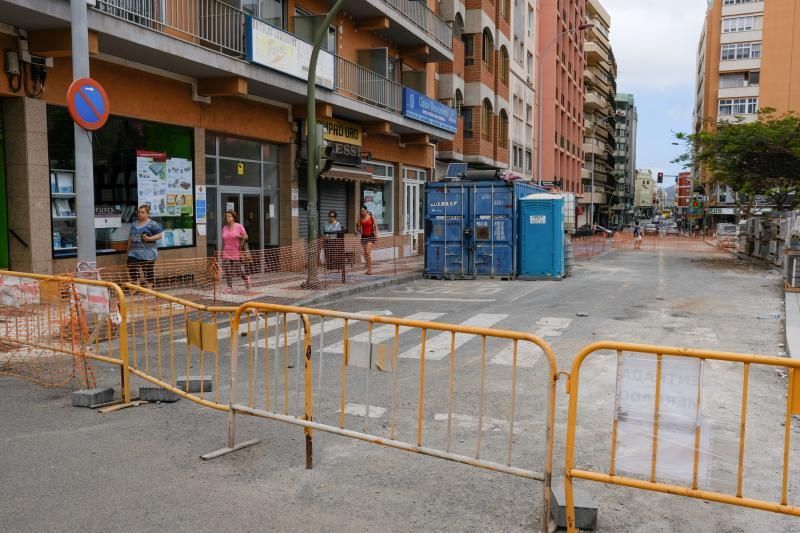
419	107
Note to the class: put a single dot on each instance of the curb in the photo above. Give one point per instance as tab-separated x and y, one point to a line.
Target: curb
791	324
349	291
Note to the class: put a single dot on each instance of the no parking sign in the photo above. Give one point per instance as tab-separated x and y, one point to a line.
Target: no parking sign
88	104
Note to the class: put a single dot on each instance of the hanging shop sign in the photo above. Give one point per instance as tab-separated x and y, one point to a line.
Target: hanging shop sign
347	154
340	131
419	107
88	104
279	50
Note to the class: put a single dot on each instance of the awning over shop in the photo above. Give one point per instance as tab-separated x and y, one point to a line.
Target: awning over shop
338	172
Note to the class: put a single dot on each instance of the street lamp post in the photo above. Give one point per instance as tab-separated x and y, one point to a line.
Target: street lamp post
539	94
594	129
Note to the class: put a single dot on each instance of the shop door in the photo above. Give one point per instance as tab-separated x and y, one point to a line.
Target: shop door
248	207
412	214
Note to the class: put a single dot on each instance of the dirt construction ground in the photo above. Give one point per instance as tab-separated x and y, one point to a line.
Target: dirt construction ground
65	468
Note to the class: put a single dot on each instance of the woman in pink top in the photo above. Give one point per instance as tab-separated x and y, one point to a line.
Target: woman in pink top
233	235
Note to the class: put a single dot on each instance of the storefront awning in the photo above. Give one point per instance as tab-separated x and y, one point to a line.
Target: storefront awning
338	172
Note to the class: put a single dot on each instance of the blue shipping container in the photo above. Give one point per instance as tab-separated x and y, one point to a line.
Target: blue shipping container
541	237
470	228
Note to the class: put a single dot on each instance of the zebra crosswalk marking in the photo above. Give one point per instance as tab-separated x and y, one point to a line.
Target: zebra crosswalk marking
528	354
382	333
438	347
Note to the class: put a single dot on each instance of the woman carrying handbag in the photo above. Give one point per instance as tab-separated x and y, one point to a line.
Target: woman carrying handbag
234	242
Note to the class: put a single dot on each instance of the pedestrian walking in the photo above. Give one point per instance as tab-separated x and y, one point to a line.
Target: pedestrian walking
234	238
142	246
637	237
368	228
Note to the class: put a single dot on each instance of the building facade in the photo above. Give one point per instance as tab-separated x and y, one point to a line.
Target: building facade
477	84
561	60
207	110
744	63
625	158
644	195
599	141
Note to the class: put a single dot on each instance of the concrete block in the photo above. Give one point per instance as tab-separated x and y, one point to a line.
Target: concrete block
157	394
90	397
585	509
194	383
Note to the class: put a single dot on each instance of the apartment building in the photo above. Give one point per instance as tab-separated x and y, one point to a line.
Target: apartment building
213	94
523	95
599	112
561	91
644	195
477	83
625	158
744	63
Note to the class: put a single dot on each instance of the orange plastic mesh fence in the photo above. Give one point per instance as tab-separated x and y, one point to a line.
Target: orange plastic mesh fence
51	329
277	275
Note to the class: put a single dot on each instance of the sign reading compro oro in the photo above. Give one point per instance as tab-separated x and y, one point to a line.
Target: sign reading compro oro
341	131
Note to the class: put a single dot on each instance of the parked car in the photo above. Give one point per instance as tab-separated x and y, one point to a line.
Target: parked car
586	231
672	229
650	229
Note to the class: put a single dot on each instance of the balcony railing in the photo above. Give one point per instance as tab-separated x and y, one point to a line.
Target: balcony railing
417	12
217	26
359	83
209	23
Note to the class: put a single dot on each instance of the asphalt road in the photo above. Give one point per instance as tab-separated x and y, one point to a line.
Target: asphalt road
68	468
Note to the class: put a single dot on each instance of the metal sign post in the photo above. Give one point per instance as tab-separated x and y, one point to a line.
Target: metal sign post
84	171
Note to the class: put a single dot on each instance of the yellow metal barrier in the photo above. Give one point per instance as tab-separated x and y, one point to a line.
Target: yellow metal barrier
369	364
661	356
171	336
51	327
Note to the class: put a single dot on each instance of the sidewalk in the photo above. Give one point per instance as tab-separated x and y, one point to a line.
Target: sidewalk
286	287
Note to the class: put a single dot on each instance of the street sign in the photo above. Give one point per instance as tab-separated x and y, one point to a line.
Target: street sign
88	104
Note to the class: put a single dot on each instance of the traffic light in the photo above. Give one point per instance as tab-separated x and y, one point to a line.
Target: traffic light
661	177
325	157
325	150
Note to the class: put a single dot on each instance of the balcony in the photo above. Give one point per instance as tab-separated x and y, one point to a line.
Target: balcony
423	22
216	26
593	101
595	53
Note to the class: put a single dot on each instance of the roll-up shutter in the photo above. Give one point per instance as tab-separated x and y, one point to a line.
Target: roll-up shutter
333	197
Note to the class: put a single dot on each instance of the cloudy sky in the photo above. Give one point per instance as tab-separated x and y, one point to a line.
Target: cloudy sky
655	44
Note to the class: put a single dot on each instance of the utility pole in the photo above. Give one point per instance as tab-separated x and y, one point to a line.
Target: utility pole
84	165
312	156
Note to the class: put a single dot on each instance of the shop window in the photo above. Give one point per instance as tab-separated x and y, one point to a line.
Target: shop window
379	196
135	162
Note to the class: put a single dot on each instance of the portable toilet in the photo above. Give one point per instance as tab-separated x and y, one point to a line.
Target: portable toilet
541	236
471	228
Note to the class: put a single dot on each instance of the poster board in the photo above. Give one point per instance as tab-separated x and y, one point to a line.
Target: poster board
165	184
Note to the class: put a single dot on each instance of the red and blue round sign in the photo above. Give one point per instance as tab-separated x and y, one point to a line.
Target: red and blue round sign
87	103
